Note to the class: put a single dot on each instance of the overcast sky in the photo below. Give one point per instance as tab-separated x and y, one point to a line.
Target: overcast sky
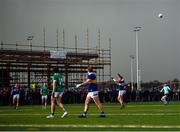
159	39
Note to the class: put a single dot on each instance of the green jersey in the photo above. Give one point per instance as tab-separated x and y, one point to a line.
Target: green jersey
44	90
59	81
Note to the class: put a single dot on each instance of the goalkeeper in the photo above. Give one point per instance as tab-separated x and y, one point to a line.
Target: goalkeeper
92	93
166	91
57	93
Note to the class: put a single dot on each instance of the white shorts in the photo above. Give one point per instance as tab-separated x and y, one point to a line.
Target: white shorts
58	94
121	92
16	96
44	97
93	94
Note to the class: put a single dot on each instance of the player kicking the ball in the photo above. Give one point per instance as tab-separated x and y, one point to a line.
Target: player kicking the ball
92	93
57	94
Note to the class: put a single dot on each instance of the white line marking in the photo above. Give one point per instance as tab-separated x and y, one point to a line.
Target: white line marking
89	126
109	114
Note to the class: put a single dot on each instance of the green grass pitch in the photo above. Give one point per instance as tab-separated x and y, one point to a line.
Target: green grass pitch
135	116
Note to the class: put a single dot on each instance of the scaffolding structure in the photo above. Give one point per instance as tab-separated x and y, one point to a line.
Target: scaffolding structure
24	64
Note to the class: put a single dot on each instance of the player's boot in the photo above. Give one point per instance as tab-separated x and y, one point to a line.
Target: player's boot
102	114
122	106
84	115
165	102
64	114
50	116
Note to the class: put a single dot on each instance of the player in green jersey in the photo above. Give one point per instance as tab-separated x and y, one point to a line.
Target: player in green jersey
44	94
57	92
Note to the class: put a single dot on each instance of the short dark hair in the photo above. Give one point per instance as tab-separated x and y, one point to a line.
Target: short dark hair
56	70
119	75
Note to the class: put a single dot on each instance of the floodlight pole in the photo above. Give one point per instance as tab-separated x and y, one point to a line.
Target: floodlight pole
136	30
29	39
132	72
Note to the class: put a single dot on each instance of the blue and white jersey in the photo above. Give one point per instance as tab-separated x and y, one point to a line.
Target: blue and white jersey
121	84
166	90
92	86
15	91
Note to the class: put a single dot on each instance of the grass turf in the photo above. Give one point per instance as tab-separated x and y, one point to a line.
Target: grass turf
135	116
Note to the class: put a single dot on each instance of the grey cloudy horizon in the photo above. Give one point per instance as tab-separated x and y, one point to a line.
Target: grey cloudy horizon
159	39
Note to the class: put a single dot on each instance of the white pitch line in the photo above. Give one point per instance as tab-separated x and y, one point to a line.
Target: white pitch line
89	126
108	114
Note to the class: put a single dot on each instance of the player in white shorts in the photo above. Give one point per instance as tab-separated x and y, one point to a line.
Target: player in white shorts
16	95
166	91
44	94
122	90
92	93
56	95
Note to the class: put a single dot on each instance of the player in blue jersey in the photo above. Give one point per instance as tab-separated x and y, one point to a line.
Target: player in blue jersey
16	95
166	91
122	89
92	93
